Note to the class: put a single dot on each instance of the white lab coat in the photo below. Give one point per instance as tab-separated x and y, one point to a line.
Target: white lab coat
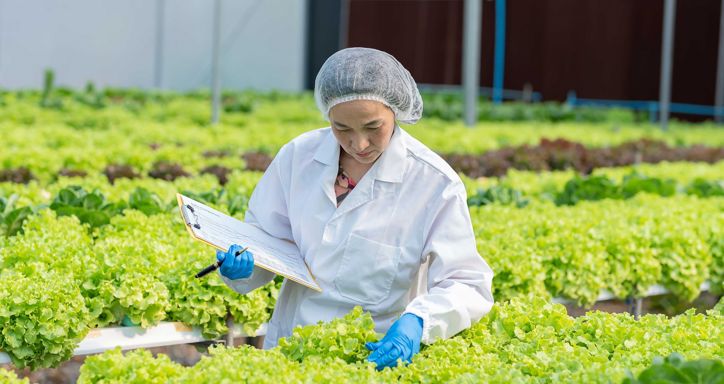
402	241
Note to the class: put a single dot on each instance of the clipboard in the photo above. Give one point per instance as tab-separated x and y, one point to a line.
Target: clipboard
220	231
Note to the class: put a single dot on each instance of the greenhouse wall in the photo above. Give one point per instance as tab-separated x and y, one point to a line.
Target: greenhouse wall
117	43
600	49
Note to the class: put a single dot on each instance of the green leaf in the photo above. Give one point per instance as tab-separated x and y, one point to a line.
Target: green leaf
145	201
93	201
342	338
15	219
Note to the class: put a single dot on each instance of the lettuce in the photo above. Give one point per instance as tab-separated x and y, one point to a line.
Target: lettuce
673	369
135	367
9	377
42	318
342	338
524	340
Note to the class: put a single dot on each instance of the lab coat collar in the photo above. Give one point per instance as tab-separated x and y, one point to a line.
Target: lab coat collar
328	151
392	160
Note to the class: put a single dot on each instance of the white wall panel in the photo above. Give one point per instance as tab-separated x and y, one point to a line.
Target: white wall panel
113	43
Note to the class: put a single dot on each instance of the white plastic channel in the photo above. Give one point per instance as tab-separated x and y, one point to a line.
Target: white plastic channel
163	334
605	295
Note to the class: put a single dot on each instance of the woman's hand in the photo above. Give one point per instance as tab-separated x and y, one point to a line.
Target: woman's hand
402	341
235	267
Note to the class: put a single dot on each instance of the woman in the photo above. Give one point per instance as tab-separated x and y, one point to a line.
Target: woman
380	219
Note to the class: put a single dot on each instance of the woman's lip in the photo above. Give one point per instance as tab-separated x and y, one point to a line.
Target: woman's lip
364	154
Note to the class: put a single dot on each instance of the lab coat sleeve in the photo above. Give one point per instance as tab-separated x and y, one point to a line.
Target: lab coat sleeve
268	211
459	280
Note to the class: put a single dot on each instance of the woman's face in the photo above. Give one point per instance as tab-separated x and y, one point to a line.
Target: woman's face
363	128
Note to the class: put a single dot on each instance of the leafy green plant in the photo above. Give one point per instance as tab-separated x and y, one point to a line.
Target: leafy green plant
9	377
79	136
90	97
635	183
243	365
12	218
42	319
135	367
144	299
624	246
88	207
236	203
545	185
706	188
674	369
498	194
526	339
7	203
587	188
147	202
48	86
342	338
49	244
718	308
598	187
207	303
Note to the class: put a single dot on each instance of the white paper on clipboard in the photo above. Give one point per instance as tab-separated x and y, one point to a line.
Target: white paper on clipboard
221	231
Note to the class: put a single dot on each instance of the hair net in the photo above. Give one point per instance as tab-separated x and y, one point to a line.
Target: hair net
367	74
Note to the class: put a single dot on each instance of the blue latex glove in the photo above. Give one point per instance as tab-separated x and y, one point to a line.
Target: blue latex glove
402	341
235	267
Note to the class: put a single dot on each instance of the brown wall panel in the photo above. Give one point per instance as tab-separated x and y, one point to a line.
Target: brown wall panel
695	51
608	49
564	45
645	51
424	36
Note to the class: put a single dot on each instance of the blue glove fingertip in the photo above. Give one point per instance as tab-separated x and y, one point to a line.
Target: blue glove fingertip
237	263
382	365
374	356
380	350
391	357
233	248
220	256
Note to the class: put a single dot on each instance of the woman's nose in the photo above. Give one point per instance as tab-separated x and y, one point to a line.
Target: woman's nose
359	144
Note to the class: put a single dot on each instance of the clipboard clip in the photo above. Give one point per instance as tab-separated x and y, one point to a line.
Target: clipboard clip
196	218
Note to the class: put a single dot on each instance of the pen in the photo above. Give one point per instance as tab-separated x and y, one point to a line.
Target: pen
216	265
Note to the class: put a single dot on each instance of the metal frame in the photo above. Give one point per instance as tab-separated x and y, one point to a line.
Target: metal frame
499	59
667	65
719	98
472	14
215	77
158	53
